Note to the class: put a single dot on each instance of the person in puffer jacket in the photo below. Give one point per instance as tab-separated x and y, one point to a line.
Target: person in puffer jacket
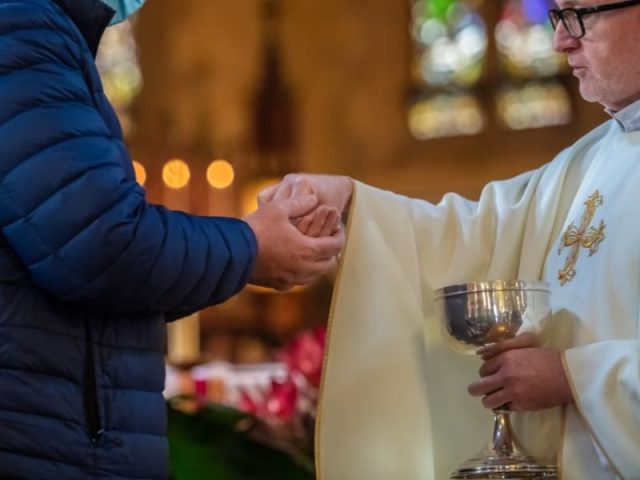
90	271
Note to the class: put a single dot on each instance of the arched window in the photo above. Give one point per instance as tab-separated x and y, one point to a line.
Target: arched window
450	40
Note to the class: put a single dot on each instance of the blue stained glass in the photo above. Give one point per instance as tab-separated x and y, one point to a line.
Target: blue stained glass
535	11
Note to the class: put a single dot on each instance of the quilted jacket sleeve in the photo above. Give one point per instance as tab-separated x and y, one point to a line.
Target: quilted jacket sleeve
69	204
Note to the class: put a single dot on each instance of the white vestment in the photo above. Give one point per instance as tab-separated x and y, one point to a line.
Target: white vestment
394	404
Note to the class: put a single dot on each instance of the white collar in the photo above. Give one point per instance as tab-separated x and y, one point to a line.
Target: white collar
628	118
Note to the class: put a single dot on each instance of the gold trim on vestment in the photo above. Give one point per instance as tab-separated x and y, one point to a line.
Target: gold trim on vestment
325	359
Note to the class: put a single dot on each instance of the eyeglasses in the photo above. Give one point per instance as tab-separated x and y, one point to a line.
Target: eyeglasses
572	17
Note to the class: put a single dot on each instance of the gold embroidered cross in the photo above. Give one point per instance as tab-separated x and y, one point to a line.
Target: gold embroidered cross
583	236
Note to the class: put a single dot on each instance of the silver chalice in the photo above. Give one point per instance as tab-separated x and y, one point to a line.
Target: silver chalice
478	314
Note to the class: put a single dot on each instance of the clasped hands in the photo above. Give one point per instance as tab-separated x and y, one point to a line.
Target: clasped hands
298	229
520	374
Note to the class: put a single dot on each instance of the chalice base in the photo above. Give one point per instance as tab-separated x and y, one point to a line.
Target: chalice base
489	464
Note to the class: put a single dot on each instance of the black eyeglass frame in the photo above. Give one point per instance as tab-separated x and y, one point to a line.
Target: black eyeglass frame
556	15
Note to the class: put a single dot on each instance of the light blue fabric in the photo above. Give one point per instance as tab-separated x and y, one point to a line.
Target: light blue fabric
124	9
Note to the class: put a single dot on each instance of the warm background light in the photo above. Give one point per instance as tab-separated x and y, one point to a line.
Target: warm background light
176	173
220	174
140	172
251	190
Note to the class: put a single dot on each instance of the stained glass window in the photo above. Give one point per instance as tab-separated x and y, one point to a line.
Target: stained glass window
531	96
452	83
450	41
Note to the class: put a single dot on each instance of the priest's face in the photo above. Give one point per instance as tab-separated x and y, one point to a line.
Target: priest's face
606	60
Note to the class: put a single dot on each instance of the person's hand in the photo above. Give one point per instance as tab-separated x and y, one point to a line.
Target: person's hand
523	377
334	196
524	340
322	221
287	257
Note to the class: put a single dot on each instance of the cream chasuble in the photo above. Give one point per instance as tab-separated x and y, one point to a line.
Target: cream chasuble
394	404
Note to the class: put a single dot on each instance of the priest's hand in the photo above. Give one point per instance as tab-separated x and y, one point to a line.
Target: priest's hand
322	221
334	196
287	257
522	376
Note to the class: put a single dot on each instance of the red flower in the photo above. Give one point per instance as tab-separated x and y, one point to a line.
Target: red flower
281	401
248	404
305	354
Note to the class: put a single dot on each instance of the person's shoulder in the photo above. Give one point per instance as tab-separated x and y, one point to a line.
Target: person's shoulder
31	15
35	32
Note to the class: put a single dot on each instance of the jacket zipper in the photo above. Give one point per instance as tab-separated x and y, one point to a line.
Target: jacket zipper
91	407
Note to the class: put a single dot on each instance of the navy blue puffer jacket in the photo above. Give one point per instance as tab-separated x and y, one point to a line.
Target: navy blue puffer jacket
89	271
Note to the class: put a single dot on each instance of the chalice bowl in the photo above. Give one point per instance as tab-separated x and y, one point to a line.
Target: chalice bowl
479	314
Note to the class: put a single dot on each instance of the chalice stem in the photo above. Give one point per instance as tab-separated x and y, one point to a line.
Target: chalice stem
502	437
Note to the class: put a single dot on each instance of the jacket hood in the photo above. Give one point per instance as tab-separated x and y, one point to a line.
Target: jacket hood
90	16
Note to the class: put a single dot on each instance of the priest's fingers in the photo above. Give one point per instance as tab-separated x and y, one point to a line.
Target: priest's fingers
524	340
484	386
333	224
303	223
491	390
490	366
318	221
500	399
318	217
325	222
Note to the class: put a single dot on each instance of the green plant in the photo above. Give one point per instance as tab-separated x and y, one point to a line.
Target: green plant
215	442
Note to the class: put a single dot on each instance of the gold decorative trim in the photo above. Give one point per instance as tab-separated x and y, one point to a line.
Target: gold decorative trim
584	236
325	358
563	430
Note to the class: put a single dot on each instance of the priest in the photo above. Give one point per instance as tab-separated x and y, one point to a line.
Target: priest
394	403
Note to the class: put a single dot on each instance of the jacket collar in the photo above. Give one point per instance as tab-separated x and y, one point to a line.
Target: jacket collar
91	17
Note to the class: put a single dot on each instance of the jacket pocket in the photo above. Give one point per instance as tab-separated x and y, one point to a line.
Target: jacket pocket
91	401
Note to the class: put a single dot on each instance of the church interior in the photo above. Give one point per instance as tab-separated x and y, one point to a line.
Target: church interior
422	97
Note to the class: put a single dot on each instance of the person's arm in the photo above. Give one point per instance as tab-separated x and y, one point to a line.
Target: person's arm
73	212
398	251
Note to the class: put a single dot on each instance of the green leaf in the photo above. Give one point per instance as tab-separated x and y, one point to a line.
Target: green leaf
215	444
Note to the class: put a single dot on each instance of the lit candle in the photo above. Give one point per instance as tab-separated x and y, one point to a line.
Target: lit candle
220	177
